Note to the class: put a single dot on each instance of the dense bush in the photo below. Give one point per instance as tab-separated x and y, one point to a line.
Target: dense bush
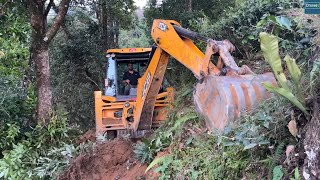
17	98
39	152
14	56
243	23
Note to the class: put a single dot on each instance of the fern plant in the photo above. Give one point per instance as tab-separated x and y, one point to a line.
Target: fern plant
270	49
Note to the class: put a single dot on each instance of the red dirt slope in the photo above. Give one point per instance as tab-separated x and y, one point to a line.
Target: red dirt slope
111	160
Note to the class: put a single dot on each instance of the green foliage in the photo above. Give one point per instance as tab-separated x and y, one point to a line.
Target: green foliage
147	149
17	98
15	103
242	24
167	159
287	94
248	133
14	56
202	159
279	151
256	128
55	160
8	134
118	13
271	161
296	174
269	47
277	173
40	152
14	39
144	151
280	22
136	36
245	17
11	165
182	11
295	73
77	65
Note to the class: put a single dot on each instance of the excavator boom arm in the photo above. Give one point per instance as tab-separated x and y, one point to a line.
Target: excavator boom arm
169	43
171	39
181	48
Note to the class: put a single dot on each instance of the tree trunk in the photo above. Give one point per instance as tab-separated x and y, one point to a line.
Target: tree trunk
44	92
311	169
41	38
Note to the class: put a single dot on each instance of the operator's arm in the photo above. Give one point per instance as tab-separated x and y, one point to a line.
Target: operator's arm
125	78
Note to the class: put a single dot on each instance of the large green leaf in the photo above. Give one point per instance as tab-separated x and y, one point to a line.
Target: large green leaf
283	21
277	173
295	74
287	94
270	49
293	68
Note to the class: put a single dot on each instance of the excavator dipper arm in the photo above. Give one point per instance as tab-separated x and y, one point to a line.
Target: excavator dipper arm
148	88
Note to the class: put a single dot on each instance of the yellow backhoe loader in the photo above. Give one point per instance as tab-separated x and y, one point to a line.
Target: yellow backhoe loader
222	92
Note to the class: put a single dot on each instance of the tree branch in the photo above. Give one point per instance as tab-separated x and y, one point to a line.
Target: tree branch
63	8
46	12
63	25
36	15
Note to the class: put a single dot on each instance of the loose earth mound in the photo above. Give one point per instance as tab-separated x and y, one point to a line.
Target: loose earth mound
110	160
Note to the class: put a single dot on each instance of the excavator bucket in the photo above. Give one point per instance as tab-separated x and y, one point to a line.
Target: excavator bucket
220	99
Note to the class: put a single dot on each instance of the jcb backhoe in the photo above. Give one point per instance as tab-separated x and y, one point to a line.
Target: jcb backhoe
222	92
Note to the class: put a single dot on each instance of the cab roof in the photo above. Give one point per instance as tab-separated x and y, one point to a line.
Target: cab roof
133	55
129	50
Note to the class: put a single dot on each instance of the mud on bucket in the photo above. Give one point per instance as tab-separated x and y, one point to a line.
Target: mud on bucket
220	99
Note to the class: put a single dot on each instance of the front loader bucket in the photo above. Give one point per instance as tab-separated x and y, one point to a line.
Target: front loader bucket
220	99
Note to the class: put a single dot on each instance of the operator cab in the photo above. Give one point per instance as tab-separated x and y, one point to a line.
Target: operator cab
117	65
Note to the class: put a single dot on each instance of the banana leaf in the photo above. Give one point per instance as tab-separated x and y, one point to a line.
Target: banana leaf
270	49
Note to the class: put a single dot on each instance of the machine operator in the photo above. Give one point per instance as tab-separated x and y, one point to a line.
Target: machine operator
130	79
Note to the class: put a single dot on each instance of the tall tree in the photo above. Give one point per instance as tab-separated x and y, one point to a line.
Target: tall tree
41	37
113	15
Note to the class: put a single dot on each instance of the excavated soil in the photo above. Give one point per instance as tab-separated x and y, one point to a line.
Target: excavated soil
90	135
108	161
